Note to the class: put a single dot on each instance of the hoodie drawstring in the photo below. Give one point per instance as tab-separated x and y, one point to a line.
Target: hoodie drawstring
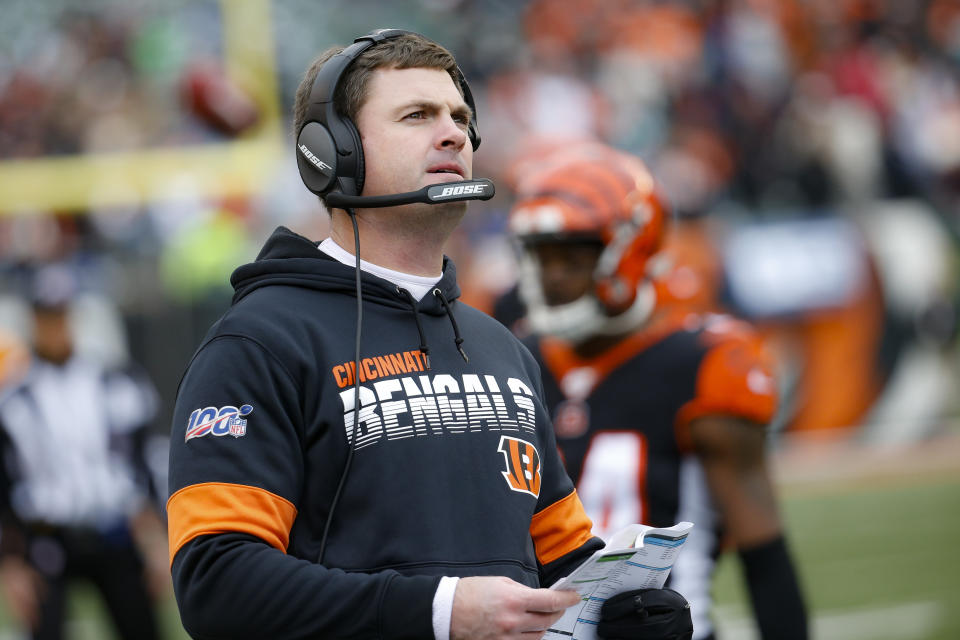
456	330
424	349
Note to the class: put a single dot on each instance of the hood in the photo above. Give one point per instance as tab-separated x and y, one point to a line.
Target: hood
290	259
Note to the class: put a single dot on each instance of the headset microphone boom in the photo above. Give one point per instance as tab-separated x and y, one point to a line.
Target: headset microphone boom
479	189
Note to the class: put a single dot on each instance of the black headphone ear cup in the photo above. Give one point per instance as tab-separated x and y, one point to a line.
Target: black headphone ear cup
357	154
473	131
317	158
474	134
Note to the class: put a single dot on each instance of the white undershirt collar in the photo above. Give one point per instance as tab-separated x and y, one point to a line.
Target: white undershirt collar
418	286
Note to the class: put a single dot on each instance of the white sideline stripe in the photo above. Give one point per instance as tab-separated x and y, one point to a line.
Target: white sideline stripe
910	621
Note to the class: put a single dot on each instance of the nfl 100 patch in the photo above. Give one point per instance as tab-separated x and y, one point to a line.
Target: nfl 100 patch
218	421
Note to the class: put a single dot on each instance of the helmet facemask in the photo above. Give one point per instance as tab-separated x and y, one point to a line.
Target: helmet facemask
582	318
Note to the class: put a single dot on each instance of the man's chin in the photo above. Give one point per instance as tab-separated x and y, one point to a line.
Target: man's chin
440	209
442	217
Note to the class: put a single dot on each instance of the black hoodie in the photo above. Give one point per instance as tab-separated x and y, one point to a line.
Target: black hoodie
455	469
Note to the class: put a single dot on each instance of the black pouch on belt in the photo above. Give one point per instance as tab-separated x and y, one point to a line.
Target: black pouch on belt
646	614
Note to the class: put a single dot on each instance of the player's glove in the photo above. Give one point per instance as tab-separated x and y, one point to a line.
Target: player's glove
646	614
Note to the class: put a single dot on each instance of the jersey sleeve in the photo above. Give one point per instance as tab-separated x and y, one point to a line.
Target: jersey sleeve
236	465
235	460
734	378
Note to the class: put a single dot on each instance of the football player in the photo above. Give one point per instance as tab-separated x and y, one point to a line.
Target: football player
659	412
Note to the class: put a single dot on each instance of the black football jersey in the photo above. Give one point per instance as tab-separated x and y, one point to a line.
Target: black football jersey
622	422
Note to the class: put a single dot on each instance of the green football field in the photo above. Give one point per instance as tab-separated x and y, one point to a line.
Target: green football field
877	562
879	559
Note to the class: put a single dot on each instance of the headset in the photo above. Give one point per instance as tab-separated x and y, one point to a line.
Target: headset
330	153
330	160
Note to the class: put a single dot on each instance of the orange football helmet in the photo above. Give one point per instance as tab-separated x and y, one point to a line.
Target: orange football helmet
591	192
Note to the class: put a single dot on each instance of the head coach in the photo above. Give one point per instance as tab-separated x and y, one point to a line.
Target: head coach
355	453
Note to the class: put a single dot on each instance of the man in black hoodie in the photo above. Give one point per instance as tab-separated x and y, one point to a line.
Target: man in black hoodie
413	491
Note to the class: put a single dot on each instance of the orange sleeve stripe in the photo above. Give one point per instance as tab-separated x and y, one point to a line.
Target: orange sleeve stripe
724	387
560	528
219	507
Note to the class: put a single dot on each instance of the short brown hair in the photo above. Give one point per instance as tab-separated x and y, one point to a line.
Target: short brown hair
408	51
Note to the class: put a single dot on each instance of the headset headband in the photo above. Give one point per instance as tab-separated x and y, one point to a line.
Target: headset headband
329	150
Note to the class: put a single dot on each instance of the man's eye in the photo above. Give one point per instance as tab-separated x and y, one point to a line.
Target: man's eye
416	115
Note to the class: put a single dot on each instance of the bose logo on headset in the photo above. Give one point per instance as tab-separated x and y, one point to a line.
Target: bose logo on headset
323	166
458	190
331	152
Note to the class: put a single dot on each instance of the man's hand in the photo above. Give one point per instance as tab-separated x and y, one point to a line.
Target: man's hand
497	608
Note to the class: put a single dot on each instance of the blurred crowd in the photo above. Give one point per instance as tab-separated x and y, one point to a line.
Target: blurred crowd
768	103
809	147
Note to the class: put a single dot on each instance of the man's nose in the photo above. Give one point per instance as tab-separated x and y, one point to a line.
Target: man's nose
450	134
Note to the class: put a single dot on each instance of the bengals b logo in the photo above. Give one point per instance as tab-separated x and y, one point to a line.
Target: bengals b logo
523	465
